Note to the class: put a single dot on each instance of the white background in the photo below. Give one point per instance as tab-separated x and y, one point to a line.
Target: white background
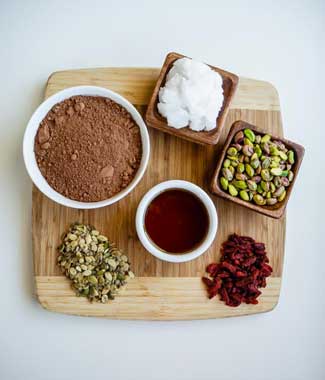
279	41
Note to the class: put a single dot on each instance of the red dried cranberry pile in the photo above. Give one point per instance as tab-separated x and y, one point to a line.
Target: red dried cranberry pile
242	270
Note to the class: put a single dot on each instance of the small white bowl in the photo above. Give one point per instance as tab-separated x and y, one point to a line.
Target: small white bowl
33	125
141	212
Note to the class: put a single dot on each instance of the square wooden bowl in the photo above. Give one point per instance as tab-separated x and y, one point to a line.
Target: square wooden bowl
275	211
155	120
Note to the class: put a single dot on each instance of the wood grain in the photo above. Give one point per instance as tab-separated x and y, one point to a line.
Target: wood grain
171	158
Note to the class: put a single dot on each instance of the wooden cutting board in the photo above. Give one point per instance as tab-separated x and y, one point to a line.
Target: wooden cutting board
161	290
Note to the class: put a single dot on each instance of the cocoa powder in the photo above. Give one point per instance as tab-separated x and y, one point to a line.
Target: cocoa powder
88	148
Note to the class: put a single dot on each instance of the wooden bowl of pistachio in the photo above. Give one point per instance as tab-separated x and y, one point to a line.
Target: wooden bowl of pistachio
257	170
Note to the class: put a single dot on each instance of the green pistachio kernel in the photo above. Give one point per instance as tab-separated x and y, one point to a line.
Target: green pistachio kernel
249	134
249	170
266	162
274	150
265	138
265	186
259	200
283	156
232	190
252	185
240	168
248	142
255	163
226	163
244	195
224	183
276	171
240	185
290	175
265	174
232	151
258	150
284	173
291	157
227	174
282	196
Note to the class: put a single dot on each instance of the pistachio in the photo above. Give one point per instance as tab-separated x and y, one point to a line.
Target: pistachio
249	134
240	177
251	184
266	162
259	189
257	179
282	196
265	174
259	200
240	185
249	170
232	190
279	191
265	186
226	163
241	167
244	195
247	150
283	156
291	157
257	168
274	151
290	175
285	181
232	151
237	146
276	171
266	138
232	170
239	136
255	163
227	174
224	183
248	142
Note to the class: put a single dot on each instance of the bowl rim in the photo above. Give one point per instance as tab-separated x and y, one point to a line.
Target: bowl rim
32	128
271	211
206	200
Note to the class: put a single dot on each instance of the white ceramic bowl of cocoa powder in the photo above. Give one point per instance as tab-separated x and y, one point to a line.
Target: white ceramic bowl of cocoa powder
32	128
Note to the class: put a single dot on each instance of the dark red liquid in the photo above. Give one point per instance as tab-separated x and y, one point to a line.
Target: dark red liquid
176	221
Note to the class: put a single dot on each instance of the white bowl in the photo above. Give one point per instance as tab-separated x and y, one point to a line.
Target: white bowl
141	212
31	130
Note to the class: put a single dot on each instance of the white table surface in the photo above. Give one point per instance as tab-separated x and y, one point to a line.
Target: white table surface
279	41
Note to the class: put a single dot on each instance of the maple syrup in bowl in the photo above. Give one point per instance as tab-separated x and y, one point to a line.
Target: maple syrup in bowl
176	221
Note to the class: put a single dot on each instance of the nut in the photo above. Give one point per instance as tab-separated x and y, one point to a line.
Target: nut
257	168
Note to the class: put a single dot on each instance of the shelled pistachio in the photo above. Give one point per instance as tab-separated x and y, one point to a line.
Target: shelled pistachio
257	168
96	268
